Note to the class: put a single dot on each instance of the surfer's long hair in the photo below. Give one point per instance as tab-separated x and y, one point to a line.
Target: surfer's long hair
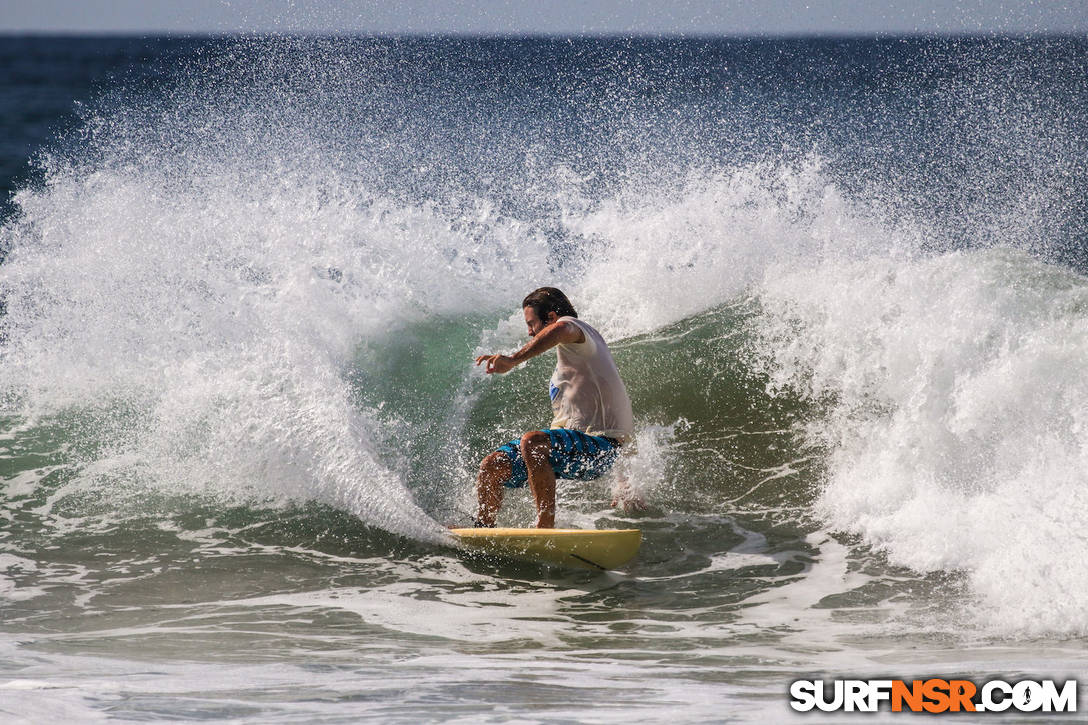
549	299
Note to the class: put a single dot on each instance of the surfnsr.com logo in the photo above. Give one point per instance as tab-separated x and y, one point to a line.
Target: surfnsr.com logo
933	695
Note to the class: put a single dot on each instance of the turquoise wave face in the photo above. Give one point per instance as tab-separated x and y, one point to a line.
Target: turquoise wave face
710	435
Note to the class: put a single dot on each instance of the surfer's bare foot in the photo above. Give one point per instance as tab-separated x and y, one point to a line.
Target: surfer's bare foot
630	505
628	500
545	520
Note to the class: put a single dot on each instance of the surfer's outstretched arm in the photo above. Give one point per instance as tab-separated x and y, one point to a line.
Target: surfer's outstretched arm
546	339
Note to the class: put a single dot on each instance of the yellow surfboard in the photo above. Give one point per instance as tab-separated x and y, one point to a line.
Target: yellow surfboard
580	548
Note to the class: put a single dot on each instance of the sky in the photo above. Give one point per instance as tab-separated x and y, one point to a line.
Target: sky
553	17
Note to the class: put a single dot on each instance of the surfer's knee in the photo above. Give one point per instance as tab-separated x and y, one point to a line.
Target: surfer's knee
535	441
497	462
535	446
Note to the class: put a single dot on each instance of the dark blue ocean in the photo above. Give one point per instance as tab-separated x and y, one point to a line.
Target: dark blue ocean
243	280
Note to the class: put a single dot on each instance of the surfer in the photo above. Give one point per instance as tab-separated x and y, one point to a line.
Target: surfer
591	413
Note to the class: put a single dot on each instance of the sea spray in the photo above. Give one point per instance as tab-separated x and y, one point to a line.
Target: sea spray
953	412
210	298
667	250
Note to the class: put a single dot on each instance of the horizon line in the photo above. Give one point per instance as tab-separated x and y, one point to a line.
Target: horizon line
531	35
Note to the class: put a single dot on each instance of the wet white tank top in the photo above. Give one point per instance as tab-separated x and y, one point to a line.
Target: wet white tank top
586	390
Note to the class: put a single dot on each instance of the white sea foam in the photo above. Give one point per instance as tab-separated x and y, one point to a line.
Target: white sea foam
955	417
948	385
203	325
666	251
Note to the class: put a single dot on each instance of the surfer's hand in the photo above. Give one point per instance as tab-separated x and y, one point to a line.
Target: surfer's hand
497	363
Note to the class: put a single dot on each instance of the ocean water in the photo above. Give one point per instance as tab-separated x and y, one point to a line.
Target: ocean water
244	279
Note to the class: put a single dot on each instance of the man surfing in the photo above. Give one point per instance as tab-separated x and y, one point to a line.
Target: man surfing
591	413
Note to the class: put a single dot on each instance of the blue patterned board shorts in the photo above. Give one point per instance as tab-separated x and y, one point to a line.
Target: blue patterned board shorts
574	455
